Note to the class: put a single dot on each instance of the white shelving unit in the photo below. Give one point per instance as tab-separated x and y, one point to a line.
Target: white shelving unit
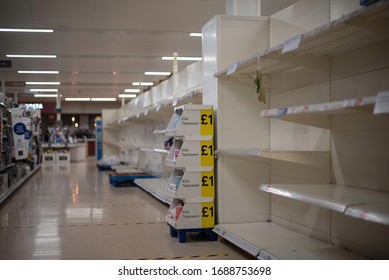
315	147
192	180
356	202
307	157
156	187
270	241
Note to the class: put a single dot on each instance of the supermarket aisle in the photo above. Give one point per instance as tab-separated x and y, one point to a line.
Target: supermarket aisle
71	212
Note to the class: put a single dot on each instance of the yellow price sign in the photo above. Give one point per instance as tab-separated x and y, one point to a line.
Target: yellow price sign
206	122
207	184
207	215
206	153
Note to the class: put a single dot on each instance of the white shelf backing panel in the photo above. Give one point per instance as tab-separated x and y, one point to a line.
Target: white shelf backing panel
192	182
192	215
271	241
318	114
156	187
353	31
334	197
191	120
191	151
321	159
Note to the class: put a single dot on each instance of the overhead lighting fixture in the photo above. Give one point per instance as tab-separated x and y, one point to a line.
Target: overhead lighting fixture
157	73
186	58
44	90
43	83
38	72
32	55
127	95
194	34
142	83
26	30
103	99
132	90
45	95
77	99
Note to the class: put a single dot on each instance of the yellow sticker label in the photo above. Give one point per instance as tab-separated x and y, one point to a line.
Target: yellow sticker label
206	153
207	184
206	122
207	215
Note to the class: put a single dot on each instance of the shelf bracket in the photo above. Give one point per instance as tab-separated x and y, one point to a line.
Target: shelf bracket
319	62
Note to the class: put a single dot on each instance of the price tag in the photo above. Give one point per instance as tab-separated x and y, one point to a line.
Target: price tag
206	122
281	112
207	215
207	184
206	153
382	103
232	68
291	44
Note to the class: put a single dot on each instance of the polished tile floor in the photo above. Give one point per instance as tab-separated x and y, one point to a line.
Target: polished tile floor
72	212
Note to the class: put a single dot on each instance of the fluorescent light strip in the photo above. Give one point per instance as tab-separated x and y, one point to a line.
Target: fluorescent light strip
142	83
25	30
38	72
103	99
186	58
43	83
157	73
77	99
127	95
43	89
132	90
45	95
194	34
32	55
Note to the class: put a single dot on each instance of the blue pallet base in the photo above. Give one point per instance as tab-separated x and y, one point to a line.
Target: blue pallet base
181	233
104	167
126	180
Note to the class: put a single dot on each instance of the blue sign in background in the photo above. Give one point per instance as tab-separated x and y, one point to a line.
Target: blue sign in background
20	128
99	139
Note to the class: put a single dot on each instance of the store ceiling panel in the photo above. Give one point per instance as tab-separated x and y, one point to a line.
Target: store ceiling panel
102	46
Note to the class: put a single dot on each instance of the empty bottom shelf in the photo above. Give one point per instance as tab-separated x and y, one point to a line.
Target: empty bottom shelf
270	241
156	187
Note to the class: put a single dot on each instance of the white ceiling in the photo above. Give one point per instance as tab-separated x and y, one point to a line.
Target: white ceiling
95	38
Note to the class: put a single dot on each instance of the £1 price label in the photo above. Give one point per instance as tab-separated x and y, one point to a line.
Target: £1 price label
207	215
206	122
207	184
206	153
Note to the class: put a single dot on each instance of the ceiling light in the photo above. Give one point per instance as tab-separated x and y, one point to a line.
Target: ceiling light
157	73
45	95
77	99
44	90
103	99
132	90
194	34
32	55
38	72
43	83
186	58
127	95
25	30
142	83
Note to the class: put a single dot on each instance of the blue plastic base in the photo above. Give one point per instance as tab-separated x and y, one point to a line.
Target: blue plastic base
126	180
181	233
